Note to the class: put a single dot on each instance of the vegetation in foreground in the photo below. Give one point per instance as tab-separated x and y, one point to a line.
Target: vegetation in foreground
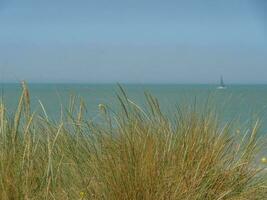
131	154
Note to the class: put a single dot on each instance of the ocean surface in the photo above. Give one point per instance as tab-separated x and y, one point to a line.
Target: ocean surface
244	103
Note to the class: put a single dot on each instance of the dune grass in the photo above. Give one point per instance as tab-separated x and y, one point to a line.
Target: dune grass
130	154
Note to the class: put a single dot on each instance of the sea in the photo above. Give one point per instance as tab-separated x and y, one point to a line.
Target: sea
242	103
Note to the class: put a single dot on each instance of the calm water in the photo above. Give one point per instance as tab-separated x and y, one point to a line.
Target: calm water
237	101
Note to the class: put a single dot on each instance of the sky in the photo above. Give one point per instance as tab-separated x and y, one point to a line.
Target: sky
133	41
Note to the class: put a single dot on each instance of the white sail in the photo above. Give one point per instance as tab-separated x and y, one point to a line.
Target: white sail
222	85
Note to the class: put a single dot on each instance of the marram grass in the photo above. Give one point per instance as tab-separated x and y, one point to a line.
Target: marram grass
131	154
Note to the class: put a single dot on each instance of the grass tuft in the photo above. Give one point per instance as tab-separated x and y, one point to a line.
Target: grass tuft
130	154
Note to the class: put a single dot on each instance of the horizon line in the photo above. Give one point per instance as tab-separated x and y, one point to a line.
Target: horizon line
133	83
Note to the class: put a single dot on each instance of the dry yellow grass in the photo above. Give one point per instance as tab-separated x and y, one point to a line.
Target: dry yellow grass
127	155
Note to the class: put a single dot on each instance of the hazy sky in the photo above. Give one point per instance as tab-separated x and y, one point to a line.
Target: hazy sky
142	41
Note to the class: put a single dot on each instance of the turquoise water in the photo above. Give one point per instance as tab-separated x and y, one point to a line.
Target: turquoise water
244	102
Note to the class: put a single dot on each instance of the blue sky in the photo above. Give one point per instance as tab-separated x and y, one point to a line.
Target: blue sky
140	41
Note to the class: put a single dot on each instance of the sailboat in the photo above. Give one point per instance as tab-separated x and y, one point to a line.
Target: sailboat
222	85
